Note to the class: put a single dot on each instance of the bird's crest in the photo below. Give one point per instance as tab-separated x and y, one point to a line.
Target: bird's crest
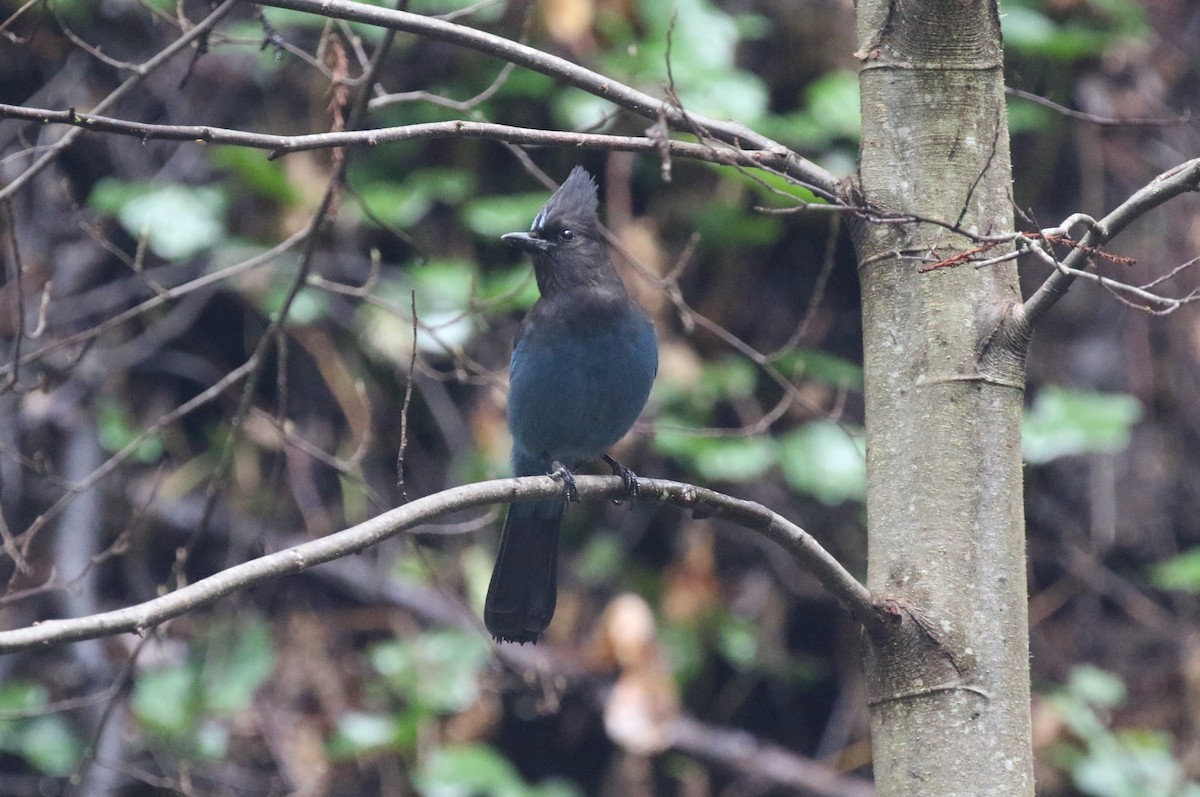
574	201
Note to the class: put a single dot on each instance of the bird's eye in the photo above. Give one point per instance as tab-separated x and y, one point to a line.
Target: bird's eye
566	235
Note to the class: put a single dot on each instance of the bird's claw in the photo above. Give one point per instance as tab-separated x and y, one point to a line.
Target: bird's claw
628	477
561	471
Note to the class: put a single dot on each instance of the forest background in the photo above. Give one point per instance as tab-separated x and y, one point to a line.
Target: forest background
687	657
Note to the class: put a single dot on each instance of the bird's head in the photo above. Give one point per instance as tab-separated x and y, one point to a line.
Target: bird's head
566	222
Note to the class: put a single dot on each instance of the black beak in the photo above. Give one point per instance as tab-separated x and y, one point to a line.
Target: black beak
526	241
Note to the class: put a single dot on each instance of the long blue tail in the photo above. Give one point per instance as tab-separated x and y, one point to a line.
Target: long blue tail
521	596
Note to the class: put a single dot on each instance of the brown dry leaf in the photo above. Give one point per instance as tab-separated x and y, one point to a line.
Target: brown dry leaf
690	585
569	22
641	711
640	239
300	749
477	722
642	708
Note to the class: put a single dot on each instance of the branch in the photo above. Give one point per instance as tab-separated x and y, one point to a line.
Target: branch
640	103
767	763
1168	185
852	595
196	32
283	145
1099	121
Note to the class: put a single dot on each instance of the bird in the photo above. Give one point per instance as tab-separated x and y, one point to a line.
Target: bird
583	362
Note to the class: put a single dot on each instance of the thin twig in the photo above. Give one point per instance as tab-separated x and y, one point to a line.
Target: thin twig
1100	121
1182	179
644	105
200	30
408	391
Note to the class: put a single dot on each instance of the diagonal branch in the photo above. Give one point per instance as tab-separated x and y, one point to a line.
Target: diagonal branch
195	33
640	103
852	595
1182	179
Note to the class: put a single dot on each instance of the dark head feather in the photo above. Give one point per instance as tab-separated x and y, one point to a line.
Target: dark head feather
572	205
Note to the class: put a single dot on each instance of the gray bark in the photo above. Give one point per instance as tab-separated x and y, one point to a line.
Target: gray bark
949	673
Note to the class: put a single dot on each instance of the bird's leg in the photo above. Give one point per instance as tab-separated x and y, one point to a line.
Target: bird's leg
561	471
627	476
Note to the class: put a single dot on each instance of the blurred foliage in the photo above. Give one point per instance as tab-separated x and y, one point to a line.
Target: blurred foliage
176	221
473	770
418	680
1065	422
1036	28
1103	762
189	704
1181	573
46	741
419	221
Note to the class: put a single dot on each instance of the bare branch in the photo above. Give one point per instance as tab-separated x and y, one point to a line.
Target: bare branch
158	299
1091	118
200	30
852	595
283	145
737	135
741	752
1152	303
1182	179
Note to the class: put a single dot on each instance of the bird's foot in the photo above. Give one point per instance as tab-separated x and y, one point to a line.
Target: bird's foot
628	477
561	471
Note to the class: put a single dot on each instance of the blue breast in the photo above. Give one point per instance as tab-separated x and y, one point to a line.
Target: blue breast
576	388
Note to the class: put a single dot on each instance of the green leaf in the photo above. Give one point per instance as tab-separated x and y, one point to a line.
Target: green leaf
49	744
437	671
726	224
1096	687
115	432
1028	117
444	284
693	395
516	286
703	55
738	643
481	13
579	110
22	697
265	177
719	458
359	733
1181	573
822	367
492	216
1026	28
466	771
240	659
177	220
395	203
1084	34
308	306
601	560
1065	422
404	203
212	740
1130	763
830	112
826	461
167	701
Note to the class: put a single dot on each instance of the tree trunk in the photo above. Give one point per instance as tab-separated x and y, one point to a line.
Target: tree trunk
949	676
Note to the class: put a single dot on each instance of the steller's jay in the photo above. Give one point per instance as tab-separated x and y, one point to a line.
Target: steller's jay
582	365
